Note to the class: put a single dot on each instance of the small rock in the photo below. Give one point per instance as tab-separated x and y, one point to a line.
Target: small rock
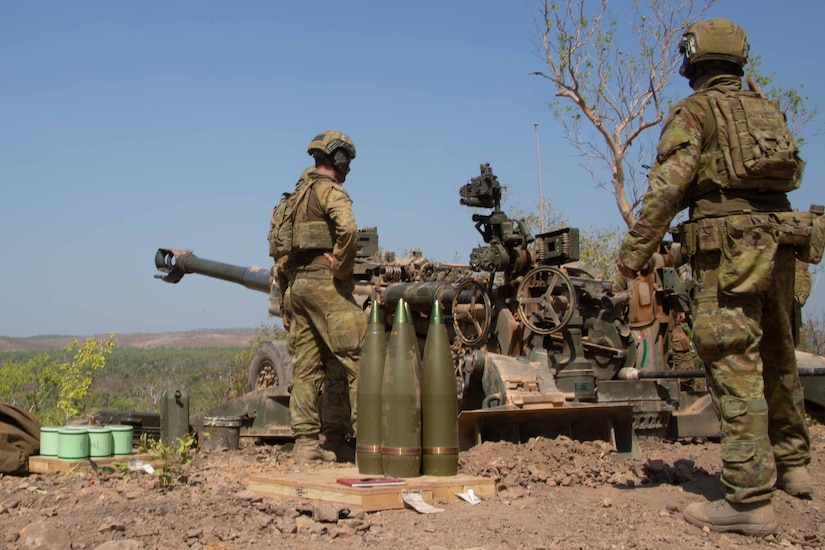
125	544
110	524
10	505
325	513
304	523
287	526
248	496
41	536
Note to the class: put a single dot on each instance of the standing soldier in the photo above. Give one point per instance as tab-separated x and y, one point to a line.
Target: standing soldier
728	156
326	327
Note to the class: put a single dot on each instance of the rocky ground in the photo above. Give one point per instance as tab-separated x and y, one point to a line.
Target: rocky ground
549	494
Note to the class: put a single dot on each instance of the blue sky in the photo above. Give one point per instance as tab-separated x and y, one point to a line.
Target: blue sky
125	127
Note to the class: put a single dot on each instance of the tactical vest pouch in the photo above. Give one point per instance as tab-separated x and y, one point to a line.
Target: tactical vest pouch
812	253
312	236
748	250
703	235
758	150
282	222
805	231
280	240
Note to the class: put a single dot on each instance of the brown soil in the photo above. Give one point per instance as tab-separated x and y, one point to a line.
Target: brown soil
549	494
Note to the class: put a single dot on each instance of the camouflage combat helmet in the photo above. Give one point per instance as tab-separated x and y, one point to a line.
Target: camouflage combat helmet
335	143
713	40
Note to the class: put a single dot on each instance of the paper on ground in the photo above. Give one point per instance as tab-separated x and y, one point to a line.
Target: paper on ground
470	497
414	499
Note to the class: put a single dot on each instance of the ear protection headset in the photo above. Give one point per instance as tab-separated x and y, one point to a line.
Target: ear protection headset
341	158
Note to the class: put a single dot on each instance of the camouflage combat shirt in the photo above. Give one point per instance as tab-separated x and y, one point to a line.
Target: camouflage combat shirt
688	131
331	203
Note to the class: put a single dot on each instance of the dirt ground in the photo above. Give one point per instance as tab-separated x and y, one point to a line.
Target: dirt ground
549	494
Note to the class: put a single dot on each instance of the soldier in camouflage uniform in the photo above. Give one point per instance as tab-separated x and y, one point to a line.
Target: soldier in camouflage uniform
742	310
326	326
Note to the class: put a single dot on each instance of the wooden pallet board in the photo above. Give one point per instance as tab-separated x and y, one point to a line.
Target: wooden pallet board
47	465
321	485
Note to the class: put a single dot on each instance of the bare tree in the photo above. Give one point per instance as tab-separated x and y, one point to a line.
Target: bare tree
612	72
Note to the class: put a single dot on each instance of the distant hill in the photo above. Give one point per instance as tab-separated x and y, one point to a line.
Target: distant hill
204	338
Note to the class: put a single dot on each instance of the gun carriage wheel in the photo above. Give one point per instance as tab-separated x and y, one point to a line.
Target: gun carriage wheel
472	312
546	300
269	366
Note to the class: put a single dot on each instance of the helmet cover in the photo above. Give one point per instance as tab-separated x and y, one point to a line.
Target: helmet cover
714	39
330	141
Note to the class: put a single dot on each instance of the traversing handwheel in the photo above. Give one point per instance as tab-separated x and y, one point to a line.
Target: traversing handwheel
546	300
472	312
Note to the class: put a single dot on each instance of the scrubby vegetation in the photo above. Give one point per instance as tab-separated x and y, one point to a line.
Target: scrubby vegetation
69	383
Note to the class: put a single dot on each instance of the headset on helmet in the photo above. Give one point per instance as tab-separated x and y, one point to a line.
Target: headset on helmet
335	143
713	40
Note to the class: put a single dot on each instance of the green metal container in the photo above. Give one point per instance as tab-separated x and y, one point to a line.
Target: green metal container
174	415
73	443
220	432
121	439
49	441
101	442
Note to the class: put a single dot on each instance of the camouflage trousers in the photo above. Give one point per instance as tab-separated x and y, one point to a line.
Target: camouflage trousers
746	344
326	333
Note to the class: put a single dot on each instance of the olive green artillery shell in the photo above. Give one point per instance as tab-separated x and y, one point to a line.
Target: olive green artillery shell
439	402
371	378
401	401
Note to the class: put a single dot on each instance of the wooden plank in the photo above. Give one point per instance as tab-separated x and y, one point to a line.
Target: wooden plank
47	465
322	486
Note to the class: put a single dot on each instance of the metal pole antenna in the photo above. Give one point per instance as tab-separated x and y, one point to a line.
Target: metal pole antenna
538	161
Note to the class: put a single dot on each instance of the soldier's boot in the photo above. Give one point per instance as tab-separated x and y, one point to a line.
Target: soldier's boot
794	480
343	447
724	516
308	449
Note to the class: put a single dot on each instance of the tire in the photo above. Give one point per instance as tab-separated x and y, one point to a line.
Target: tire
271	366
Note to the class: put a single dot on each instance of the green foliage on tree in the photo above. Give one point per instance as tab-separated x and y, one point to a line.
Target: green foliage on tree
32	383
78	371
133	379
599	247
55	387
553	218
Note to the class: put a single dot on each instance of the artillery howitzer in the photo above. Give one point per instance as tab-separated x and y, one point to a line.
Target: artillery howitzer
542	345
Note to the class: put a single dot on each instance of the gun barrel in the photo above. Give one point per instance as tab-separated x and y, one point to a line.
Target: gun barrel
174	263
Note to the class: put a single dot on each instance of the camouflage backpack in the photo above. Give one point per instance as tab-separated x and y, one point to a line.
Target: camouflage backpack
282	222
757	149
